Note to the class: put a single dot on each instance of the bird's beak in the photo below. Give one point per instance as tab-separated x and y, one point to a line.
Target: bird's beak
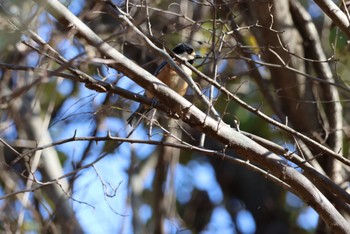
197	56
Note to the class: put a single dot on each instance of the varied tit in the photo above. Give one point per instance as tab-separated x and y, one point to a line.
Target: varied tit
168	75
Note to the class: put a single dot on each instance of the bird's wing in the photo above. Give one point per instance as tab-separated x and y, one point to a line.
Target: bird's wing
159	68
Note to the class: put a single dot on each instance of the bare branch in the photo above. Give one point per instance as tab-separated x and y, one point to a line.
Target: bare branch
333	12
194	117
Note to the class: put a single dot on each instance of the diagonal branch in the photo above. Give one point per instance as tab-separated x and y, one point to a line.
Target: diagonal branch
337	16
199	120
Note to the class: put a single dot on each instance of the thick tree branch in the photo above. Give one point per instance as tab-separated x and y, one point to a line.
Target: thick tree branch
195	118
333	12
332	106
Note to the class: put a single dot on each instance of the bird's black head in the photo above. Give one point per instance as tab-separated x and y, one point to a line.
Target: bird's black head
186	52
183	48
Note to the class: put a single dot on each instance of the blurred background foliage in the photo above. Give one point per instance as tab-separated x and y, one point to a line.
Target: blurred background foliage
199	194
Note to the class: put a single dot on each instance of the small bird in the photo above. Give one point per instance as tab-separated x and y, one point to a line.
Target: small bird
167	75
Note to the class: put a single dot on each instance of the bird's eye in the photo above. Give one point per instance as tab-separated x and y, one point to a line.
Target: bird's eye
189	50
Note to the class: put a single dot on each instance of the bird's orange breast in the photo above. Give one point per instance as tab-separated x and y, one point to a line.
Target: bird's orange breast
173	80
